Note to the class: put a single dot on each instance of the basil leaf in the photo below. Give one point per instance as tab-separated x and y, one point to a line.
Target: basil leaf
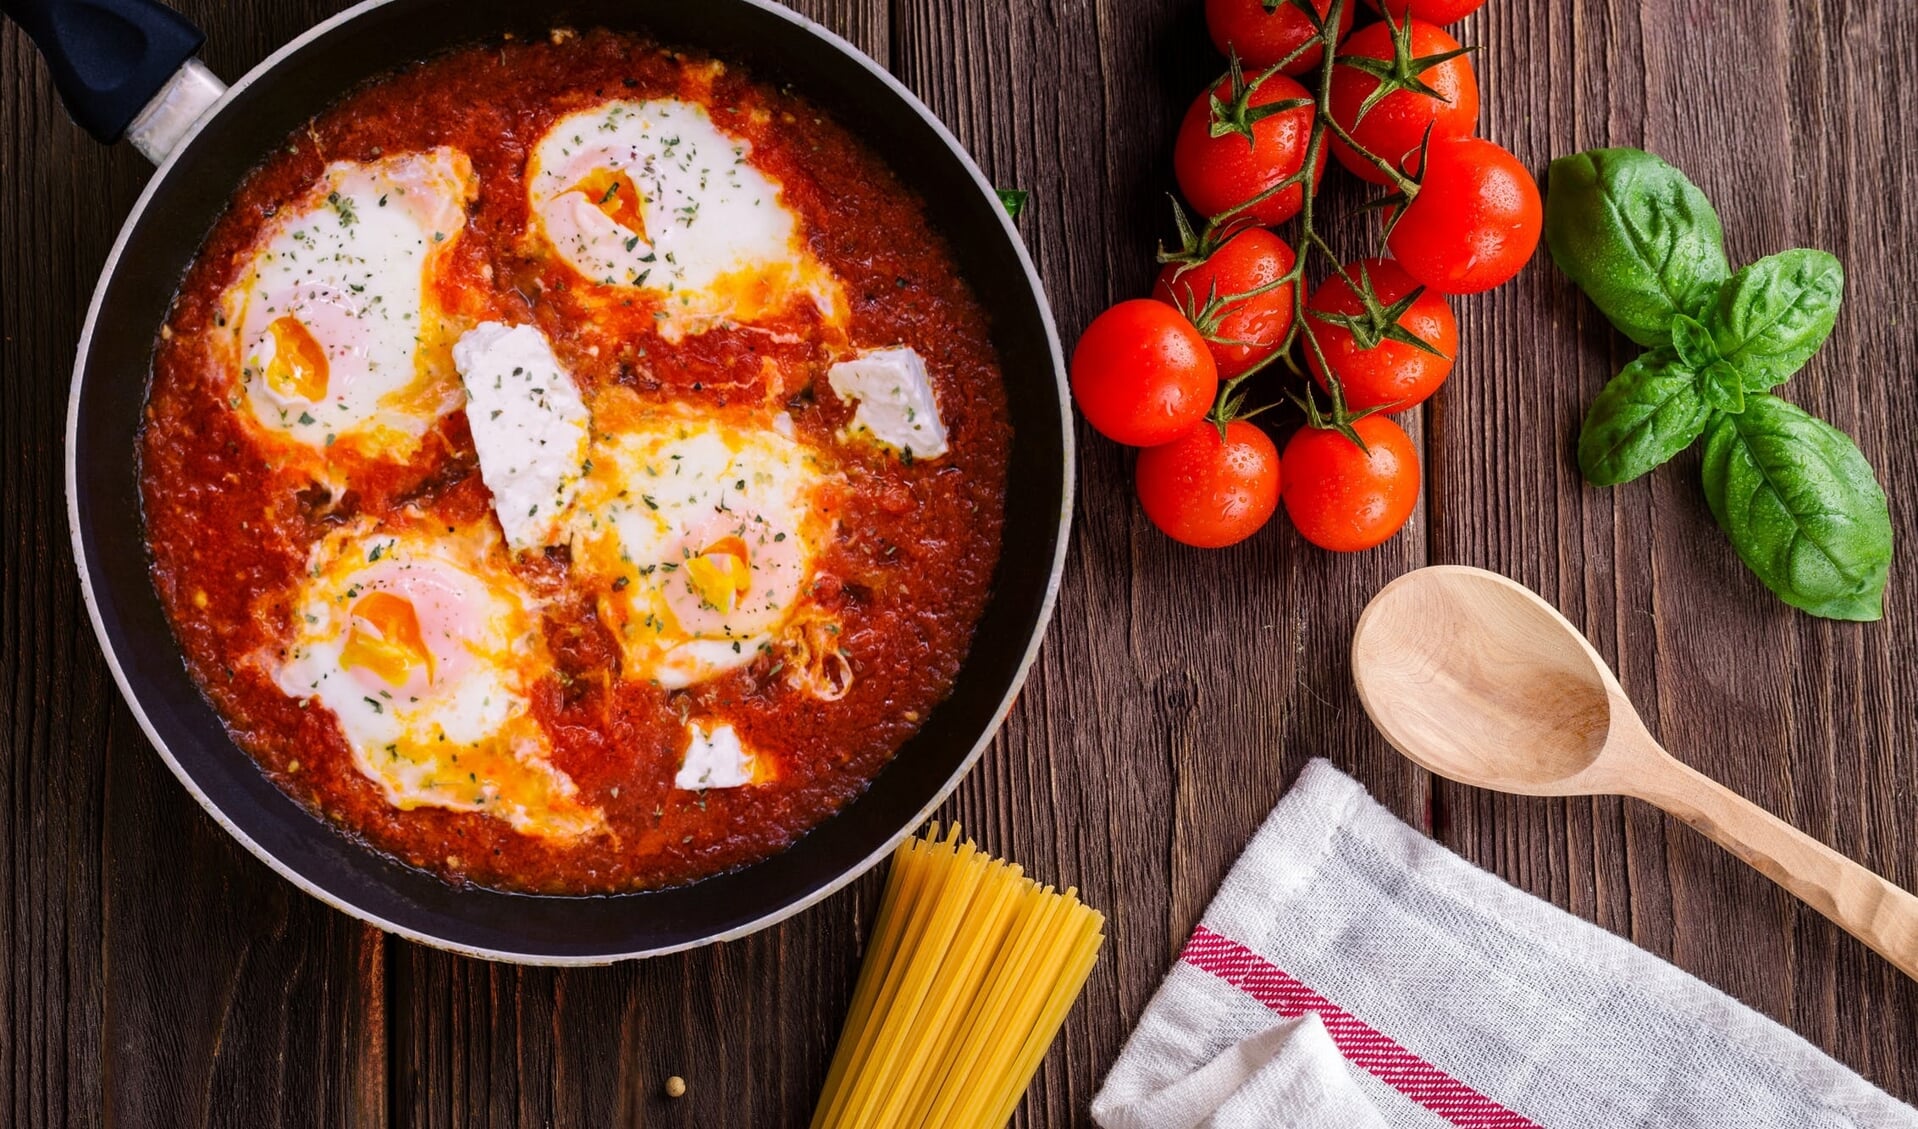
1693	343
1802	508
1774	314
1723	387
1641	240
1649	412
1013	200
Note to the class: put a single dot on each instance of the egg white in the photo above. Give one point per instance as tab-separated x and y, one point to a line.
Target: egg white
677	504
336	333
424	647
654	196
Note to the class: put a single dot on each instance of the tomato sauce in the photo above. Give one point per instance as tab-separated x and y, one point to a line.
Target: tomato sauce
231	526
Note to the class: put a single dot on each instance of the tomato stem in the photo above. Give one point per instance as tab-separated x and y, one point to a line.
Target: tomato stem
1197	245
1206	316
1406	186
1309	238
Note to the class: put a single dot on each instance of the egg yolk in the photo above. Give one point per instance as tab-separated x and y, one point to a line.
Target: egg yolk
722	574
385	639
298	368
612	192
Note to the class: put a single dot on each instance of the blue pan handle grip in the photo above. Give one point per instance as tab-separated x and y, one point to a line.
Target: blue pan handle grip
108	57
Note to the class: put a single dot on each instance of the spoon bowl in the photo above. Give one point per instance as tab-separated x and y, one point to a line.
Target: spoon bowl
1476	678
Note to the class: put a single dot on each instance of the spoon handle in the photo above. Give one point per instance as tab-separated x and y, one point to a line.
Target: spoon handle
1860	902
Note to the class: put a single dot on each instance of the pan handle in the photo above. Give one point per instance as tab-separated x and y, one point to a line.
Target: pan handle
121	65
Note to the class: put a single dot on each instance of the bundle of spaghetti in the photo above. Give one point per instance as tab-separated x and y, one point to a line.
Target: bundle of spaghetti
971	969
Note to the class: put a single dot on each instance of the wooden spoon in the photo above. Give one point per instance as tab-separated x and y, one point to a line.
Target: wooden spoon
1478	679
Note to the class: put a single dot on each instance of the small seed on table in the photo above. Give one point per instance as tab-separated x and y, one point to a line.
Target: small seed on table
675	1087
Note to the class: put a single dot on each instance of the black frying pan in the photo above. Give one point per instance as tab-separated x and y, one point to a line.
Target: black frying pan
127	67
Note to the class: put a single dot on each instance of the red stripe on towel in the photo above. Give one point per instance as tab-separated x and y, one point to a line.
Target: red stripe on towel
1358	1041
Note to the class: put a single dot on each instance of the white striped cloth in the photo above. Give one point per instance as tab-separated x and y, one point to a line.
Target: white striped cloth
1353	974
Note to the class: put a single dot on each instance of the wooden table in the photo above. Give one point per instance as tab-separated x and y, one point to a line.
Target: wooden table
156	974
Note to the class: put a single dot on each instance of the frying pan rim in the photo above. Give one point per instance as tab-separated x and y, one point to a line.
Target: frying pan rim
801	25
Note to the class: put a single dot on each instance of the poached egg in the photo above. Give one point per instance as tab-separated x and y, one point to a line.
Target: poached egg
702	531
425	648
654	196
334	319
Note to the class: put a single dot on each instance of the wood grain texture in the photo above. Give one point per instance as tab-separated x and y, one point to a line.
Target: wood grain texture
1808	718
157	975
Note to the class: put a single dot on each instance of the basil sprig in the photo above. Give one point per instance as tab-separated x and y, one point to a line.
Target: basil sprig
1796	496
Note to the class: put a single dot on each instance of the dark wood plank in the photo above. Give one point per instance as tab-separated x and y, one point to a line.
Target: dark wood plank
158	975
1804	716
1028	89
54	712
232	998
58	700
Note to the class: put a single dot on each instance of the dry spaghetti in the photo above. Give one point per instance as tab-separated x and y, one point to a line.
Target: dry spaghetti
970	971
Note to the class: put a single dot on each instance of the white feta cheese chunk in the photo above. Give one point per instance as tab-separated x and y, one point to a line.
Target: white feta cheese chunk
529	425
895	401
715	758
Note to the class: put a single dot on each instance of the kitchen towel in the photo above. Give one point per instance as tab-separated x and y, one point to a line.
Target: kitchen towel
1353	974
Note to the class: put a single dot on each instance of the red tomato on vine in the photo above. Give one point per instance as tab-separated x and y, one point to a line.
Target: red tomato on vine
1264	33
1240	141
1211	490
1392	83
1431	11
1236	297
1390	341
1345	498
1142	375
1474	221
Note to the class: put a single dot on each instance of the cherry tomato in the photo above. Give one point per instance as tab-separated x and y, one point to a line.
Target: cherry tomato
1431	11
1234	299
1345	499
1211	491
1394	125
1220	173
1367	346
1142	374
1474	222
1262	32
